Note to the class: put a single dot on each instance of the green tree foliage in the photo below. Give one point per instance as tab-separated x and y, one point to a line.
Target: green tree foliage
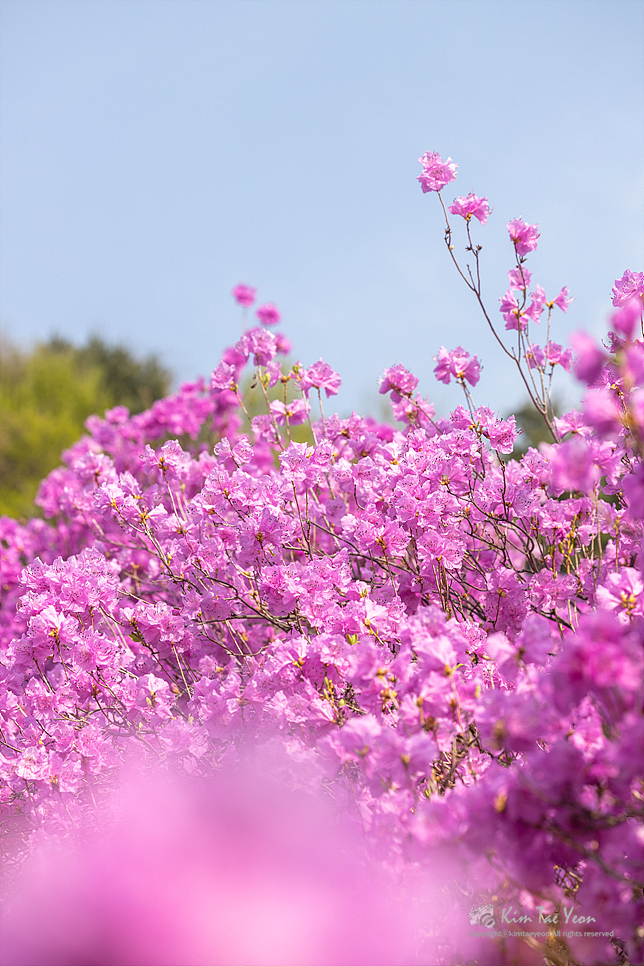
45	396
534	428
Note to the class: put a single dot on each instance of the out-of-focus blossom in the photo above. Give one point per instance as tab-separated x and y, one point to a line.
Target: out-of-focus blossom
206	874
627	317
590	359
244	294
268	314
602	412
624	592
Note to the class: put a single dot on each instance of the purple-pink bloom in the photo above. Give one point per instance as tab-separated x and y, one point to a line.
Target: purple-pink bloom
536	357
400	380
563	300
223	377
627	316
509	309
320	376
537	303
623	591
602	412
293	412
268	314
633	489
436	172
590	358
471	205
244	294
573	465
629	286
262	345
520	278
524	236
558	356
457	363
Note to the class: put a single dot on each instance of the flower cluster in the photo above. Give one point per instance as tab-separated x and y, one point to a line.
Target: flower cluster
444	640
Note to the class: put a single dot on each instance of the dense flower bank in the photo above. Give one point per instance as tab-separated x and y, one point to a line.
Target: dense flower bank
443	640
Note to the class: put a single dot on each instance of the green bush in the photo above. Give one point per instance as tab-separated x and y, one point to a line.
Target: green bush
45	396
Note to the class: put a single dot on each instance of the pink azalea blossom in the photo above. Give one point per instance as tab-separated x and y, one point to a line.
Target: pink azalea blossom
537	304
244	294
623	591
293	413
436	172
398	380
320	376
562	301
524	236
510	311
223	377
629	286
536	357
520	278
457	363
471	206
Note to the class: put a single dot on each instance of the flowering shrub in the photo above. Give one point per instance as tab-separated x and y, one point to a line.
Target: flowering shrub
445	642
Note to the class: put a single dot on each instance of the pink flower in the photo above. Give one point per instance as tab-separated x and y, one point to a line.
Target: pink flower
520	278
320	376
244	294
457	363
627	316
573	465
294	461
524	236
537	304
268	314
262	345
590	358
509	309
623	591
602	412
633	489
292	413
536	357
470	206
629	286
557	355
436	172
400	380
562	301
223	377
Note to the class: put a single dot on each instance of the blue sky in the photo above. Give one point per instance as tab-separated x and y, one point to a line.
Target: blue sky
154	154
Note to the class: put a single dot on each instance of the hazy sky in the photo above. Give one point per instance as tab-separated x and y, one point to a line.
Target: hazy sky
154	154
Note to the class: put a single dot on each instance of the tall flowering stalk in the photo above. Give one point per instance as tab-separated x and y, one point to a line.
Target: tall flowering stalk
444	641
